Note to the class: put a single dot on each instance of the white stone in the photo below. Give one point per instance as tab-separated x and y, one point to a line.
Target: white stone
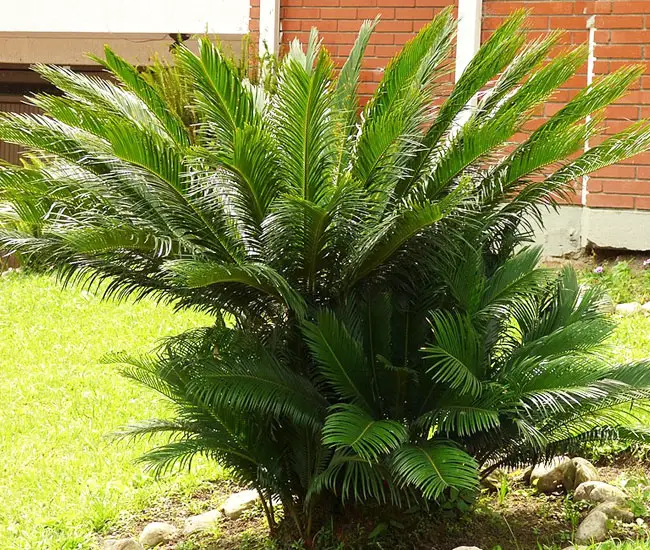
629	309
202	522
646	308
615	510
237	503
156	533
584	471
122	544
467	548
592	529
598	491
549	477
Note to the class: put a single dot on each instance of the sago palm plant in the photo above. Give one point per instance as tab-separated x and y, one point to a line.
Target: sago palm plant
382	331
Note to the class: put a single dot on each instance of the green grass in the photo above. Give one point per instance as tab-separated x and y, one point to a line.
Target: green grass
63	482
625	280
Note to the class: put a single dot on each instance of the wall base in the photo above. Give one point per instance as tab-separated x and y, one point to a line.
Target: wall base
573	228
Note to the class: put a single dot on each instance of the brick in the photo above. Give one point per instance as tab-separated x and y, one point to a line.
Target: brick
386	51
339	38
603	6
616	171
371	13
622	112
414	13
640	159
323	25
352	25
396	26
642	203
382	39
616	126
627	187
629	6
620	51
435	4
603	200
602	37
397	3
290	25
594	185
299	13
630	37
537	8
620	22
643	172
338	13
568	22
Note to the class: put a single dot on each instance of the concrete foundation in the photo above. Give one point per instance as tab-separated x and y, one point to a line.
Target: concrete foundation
573	228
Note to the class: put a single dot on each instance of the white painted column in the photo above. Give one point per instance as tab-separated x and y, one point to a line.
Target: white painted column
585	219
469	33
269	26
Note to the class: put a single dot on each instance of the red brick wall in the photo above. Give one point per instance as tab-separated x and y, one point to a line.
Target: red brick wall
622	32
622	37
339	20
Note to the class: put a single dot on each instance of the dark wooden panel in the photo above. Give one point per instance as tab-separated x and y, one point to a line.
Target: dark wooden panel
13	104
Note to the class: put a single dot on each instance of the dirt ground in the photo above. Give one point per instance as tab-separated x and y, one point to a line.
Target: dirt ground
514	519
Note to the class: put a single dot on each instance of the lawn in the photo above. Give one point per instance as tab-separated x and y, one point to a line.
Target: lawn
63	480
65	483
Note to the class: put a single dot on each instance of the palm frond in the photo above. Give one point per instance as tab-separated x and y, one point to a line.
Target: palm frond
350	428
434	467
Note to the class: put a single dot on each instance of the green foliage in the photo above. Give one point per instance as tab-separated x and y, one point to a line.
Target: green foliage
381	329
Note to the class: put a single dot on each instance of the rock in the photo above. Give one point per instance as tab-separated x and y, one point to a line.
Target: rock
631	308
493	482
549	477
236	504
525	475
156	533
598	491
614	510
584	471
646	308
202	522
593	528
467	548
122	544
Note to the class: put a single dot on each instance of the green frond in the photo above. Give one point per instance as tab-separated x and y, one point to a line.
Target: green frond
350	428
492	57
351	477
220	96
340	358
198	274
518	276
258	384
455	358
346	99
434	467
137	84
377	247
460	420
300	122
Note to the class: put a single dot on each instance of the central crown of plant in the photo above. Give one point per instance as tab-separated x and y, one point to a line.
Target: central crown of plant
382	332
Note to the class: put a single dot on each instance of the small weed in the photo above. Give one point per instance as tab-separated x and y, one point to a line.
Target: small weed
504	489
